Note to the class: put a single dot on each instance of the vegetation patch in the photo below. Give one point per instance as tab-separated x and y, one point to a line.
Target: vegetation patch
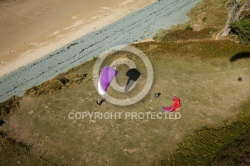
199	72
14	153
237	153
242	29
58	83
213	144
208	13
8	106
187	34
205	49
196	70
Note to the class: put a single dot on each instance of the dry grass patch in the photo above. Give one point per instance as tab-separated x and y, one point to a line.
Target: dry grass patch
200	73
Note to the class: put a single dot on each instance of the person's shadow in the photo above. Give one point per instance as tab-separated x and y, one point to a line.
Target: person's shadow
133	75
241	55
2	122
238	56
100	101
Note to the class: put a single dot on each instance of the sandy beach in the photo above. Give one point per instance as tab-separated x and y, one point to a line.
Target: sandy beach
29	25
64	45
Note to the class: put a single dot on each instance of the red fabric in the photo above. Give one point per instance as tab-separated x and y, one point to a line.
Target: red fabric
177	104
169	109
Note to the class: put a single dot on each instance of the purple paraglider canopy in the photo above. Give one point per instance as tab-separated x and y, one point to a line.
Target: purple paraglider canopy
106	76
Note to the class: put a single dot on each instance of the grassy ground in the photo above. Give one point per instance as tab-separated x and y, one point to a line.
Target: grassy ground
178	35
235	153
227	144
200	73
16	153
9	106
207	15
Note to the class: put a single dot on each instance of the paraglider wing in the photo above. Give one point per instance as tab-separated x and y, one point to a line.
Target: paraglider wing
177	102
106	76
176	105
168	109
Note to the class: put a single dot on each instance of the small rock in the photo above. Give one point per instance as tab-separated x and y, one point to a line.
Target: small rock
30	112
81	100
156	131
92	121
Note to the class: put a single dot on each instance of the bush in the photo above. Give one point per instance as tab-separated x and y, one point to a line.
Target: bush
9	105
174	35
207	145
189	28
242	29
50	86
